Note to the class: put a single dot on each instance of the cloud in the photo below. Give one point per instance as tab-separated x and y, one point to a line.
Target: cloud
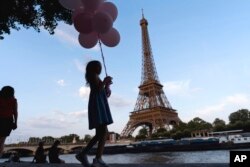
61	82
45	122
115	100
225	107
66	36
118	101
56	123
84	92
180	88
238	99
80	66
56	120
78	114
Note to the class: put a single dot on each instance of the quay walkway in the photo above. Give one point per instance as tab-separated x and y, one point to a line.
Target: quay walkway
114	165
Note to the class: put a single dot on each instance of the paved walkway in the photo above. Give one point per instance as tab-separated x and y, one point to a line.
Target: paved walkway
112	165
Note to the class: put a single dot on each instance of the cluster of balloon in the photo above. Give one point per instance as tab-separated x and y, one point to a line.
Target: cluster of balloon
93	19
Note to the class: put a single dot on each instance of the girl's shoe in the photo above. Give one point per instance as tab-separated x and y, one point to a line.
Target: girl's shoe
83	159
99	163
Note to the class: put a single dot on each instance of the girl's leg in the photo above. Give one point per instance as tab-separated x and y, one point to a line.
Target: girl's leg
94	140
102	131
90	144
2	140
82	157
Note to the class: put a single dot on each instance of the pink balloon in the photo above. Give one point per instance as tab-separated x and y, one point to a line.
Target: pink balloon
110	8
77	12
102	22
71	4
111	38
92	4
88	40
83	22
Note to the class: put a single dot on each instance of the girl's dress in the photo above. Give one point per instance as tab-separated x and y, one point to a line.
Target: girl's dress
98	108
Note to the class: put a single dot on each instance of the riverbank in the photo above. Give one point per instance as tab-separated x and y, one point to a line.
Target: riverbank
115	165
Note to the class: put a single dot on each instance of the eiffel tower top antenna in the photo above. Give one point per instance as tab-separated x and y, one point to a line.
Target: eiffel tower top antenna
149	73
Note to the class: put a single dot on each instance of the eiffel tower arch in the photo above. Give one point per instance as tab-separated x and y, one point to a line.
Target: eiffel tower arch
152	107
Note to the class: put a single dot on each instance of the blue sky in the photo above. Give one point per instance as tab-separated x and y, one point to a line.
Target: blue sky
201	51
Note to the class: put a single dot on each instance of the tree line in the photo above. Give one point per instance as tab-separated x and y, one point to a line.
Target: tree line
66	139
237	120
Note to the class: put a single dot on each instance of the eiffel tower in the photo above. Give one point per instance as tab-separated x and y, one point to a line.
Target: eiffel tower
152	107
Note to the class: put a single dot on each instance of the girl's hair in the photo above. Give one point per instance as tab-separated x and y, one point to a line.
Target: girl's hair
93	68
7	92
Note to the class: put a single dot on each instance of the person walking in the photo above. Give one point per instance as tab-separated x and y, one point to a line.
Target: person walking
8	114
99	114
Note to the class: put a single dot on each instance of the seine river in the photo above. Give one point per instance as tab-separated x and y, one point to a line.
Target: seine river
220	156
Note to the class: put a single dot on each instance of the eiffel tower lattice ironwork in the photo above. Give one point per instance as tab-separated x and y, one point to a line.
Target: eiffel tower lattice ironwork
152	107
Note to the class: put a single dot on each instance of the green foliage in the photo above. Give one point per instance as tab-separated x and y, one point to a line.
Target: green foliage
198	124
142	134
48	139
240	115
69	138
181	134
34	140
143	131
219	125
31	13
87	138
161	133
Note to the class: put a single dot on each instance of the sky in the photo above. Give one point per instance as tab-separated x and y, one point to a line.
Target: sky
200	48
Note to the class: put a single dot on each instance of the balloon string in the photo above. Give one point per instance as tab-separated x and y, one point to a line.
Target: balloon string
100	45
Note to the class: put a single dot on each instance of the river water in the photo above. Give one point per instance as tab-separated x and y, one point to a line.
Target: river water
220	156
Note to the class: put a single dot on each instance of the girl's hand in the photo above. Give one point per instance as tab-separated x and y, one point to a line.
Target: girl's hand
108	91
108	80
14	126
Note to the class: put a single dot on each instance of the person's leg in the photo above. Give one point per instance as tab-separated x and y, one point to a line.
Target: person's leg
102	131
90	144
82	156
2	141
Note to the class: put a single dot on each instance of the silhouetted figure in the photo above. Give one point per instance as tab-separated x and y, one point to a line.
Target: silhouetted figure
14	157
54	152
98	113
40	156
8	114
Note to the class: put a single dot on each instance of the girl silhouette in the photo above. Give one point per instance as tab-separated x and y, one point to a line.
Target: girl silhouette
98	113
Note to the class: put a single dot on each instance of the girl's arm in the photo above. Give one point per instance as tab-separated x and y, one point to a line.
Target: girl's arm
15	116
102	84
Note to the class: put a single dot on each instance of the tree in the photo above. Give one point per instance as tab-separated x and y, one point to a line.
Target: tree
48	139
31	13
180	134
219	125
87	138
161	132
198	124
240	115
142	134
34	140
180	127
69	138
